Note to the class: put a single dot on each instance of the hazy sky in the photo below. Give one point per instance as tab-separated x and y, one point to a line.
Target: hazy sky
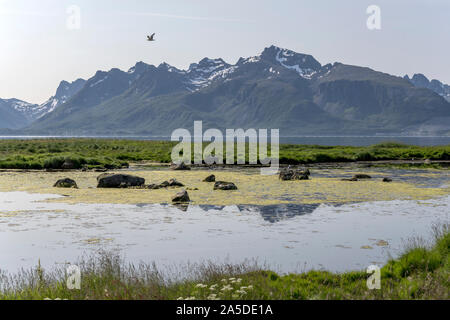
38	50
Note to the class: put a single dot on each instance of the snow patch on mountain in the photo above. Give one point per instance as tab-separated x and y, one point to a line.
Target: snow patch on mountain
170	68
64	92
98	82
282	58
202	74
28	110
254	59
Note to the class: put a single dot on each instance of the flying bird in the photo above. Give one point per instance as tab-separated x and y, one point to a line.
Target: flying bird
151	38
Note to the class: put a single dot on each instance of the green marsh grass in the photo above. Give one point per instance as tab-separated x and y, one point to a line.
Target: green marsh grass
92	153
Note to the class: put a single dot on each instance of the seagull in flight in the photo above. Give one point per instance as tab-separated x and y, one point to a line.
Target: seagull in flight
151	38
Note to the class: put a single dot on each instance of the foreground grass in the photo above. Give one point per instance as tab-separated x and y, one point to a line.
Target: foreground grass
422	272
92	153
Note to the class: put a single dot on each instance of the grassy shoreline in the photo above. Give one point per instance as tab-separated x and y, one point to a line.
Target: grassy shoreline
421	272
113	154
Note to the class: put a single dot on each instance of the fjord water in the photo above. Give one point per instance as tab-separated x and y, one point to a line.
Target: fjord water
309	140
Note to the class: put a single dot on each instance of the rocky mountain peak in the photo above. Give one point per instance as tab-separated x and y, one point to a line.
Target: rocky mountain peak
207	66
305	65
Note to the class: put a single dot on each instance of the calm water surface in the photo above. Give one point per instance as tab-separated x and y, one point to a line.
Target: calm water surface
288	238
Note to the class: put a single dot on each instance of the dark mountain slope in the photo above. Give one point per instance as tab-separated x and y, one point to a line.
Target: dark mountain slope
276	89
10	115
381	101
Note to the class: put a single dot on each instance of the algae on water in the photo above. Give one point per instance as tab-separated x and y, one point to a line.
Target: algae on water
253	188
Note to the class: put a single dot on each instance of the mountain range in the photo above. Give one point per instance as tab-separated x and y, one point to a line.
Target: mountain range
278	88
420	81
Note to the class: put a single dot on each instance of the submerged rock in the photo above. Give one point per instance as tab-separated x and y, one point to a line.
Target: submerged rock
175	183
351	179
65	183
362	176
382	243
119	181
165	184
294	174
180	166
223	185
181	196
387	180
211	178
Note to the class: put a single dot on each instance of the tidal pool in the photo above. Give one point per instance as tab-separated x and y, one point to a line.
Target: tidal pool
324	223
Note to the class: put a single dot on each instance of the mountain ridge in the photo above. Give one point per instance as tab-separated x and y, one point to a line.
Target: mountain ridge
278	88
420	81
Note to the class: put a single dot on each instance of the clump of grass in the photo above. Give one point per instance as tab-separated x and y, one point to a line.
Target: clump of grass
420	257
390	144
422	272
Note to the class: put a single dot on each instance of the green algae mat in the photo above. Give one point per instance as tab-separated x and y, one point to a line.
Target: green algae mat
253	188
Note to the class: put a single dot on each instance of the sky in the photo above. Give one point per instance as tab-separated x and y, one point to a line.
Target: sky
42	43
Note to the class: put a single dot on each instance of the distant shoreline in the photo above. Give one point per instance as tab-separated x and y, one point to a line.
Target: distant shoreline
321	140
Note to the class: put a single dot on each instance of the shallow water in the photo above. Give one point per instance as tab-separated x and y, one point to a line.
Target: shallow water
288	237
325	186
292	226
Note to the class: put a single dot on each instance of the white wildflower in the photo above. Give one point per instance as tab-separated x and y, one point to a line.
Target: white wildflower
227	288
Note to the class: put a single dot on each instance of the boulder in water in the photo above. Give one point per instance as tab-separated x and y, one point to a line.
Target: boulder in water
223	185
65	183
294	174
181	196
211	178
119	181
175	183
